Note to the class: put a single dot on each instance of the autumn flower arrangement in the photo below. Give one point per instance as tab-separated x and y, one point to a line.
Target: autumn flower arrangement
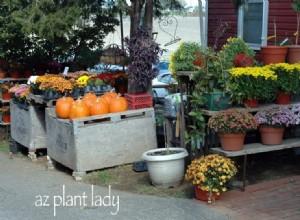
253	83
211	173
287	77
232	121
275	116
20	91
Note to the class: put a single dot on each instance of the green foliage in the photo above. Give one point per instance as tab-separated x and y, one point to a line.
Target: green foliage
211	76
287	77
197	129
184	56
233	47
296	6
49	30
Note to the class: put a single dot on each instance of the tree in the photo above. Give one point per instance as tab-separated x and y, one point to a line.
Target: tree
141	12
54	29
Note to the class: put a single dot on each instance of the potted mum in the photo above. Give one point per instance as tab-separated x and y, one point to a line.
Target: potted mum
5	112
232	125
287	83
209	175
272	122
296	120
250	85
4	88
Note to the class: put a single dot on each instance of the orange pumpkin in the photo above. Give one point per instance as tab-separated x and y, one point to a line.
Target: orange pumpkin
88	98
79	109
63	106
98	107
108	96
118	104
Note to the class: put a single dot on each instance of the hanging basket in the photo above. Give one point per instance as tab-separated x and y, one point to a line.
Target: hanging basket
113	55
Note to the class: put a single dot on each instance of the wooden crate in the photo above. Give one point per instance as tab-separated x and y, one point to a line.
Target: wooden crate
97	142
28	127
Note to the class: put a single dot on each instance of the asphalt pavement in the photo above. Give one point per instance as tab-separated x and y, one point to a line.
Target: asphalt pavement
28	191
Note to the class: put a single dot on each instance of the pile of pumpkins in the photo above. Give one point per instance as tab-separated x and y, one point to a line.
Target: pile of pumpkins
90	105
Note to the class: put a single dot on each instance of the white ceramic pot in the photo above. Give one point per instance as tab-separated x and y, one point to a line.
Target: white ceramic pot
165	171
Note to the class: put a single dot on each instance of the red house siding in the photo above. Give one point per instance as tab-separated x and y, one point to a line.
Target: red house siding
279	10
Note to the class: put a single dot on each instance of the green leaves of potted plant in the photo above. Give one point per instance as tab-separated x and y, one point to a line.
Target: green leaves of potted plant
236	53
232	125
212	81
293	55
287	81
187	57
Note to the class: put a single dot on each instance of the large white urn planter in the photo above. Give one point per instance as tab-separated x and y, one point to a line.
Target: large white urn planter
165	170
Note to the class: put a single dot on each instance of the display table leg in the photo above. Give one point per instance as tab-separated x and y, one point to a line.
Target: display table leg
32	155
78	175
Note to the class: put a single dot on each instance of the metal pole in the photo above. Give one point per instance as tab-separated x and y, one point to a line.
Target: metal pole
122	32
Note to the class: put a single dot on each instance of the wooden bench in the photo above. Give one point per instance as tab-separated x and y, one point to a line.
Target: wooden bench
256	148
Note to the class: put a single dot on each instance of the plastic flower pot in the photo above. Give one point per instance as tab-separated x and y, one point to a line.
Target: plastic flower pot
165	170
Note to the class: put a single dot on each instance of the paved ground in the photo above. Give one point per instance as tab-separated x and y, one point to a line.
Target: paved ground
28	191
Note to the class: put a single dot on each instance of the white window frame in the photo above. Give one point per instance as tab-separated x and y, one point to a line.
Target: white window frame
264	22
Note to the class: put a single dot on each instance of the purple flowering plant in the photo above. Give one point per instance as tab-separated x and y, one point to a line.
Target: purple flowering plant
275	116
296	114
232	121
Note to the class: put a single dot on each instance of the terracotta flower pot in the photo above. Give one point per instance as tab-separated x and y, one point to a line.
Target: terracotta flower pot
6	96
271	135
251	103
203	195
243	60
273	54
293	55
6	118
283	98
232	142
2	74
15	74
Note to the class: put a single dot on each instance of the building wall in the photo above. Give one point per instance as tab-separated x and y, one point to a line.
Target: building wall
279	10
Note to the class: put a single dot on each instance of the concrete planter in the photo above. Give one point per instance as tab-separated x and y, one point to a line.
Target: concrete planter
165	170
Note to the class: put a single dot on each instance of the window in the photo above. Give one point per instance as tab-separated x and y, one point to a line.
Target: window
253	22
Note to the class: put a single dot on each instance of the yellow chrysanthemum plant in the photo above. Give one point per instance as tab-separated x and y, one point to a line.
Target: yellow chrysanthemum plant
258	83
287	77
211	173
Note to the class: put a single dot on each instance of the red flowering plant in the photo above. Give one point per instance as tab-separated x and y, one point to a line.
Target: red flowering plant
232	121
111	77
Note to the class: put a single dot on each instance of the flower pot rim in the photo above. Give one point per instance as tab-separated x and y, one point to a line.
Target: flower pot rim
182	154
273	46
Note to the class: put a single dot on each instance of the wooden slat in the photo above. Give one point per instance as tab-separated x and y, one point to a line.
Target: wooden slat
256	148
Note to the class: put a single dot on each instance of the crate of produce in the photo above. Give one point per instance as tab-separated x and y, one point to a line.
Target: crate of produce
139	101
102	141
28	126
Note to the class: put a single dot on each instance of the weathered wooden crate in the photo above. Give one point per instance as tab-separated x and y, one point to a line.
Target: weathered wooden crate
28	126
103	141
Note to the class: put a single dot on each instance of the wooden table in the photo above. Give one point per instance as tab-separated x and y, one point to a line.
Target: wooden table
256	148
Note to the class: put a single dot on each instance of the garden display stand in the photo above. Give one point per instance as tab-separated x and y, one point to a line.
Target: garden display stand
212	144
